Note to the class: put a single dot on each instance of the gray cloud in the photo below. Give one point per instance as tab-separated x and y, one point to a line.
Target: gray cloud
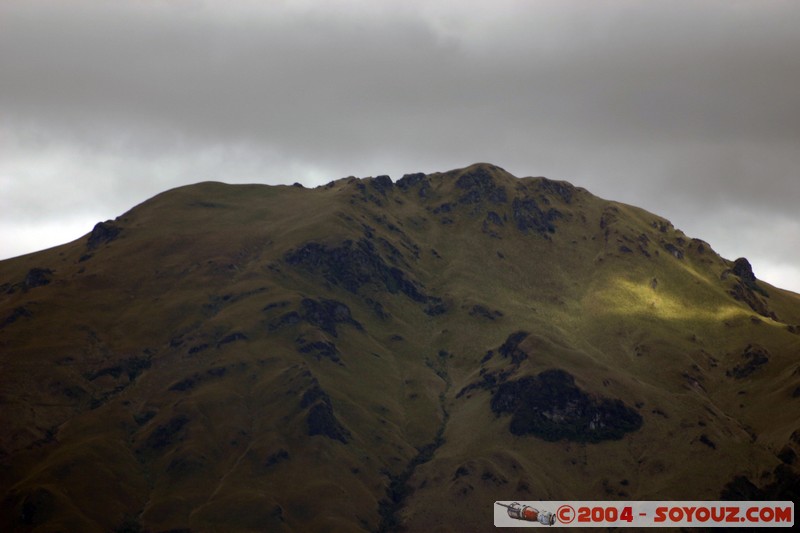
686	108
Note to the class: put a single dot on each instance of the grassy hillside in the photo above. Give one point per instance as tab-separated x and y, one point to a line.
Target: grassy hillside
372	356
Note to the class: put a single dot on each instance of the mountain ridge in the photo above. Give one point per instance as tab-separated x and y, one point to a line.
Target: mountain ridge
380	348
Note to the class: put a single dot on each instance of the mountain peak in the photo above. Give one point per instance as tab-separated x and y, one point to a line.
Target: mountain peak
481	168
221	355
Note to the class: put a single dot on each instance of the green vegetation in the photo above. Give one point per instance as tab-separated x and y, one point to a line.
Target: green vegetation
371	355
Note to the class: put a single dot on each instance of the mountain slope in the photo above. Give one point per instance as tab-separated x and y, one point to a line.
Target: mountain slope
371	355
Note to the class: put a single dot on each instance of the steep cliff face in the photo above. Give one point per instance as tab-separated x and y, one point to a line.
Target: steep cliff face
389	354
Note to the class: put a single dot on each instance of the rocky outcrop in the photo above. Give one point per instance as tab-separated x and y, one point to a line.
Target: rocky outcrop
318	348
743	269
358	267
323	313
417	180
37	277
484	312
561	189
674	250
320	419
16	314
741	293
326	314
478	186
197	379
352	265
754	357
382	184
233	337
785	486
36	508
167	434
103	232
550	406
131	367
747	280
510	348
529	216
746	288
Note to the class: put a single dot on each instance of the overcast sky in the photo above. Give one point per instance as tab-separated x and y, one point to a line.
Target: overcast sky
688	108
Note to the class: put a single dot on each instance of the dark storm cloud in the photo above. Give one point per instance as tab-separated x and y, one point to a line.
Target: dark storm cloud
689	109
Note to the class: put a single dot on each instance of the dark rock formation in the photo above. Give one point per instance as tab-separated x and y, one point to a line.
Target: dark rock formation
320	419
377	308
318	349
277	457
288	319
478	186
184	385
325	314
167	434
37	507
217	371
444	208
562	189
409	181
708	442
550	406
492	221
132	367
484	312
436	306
275	305
529	216
198	348
494	218
352	266
674	250
233	337
145	417
103	232
754	357
510	347
743	269
787	455
488	381
747	289
382	184
322	313
784	487
37	277
740	488
741	293
16	314
218	302
196	379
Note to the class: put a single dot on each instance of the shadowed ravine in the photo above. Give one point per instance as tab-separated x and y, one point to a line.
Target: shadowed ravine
399	488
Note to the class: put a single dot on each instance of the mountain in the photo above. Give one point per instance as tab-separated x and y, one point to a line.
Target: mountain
373	355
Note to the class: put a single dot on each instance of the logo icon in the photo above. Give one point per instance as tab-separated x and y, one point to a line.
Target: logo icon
529	514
